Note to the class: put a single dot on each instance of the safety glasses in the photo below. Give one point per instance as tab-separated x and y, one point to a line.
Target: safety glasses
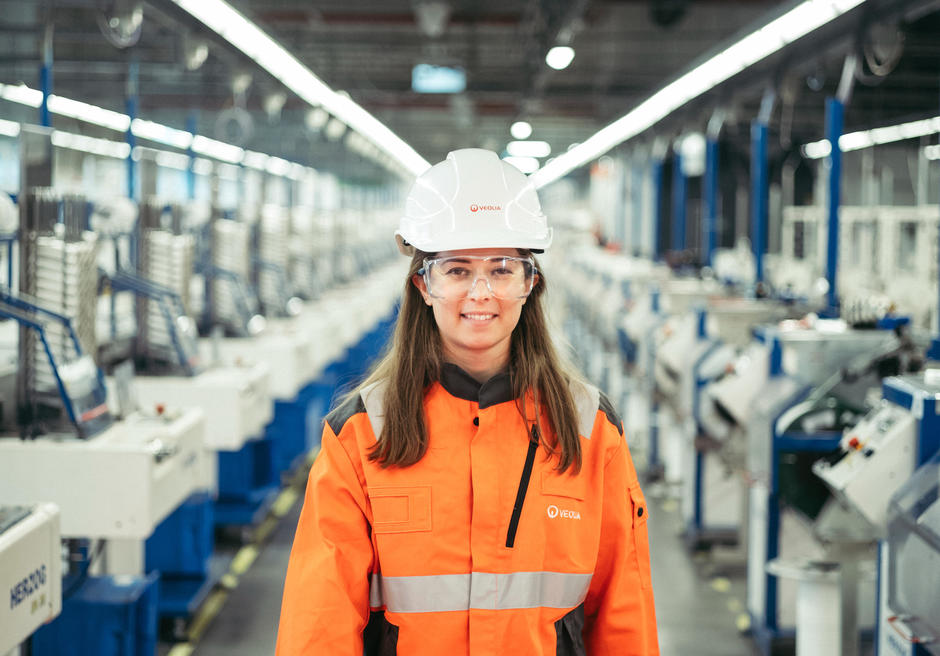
455	277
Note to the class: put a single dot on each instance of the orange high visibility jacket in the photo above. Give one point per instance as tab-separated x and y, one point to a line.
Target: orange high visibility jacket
481	547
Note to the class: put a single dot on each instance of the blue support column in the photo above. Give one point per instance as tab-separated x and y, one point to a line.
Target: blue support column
657	205
191	125
45	77
834	112
133	72
678	204
636	225
760	191
710	199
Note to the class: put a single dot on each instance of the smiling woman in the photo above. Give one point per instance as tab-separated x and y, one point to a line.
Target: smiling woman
429	525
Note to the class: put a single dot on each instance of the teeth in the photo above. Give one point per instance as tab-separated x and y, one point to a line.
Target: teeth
479	317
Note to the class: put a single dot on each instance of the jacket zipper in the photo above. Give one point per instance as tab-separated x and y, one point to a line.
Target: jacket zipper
523	486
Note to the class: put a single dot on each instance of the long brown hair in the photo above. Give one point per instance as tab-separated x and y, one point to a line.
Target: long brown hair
415	359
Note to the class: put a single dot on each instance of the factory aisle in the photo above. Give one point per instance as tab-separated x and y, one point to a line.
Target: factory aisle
698	600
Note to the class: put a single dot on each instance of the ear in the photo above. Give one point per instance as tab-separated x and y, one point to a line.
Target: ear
418	281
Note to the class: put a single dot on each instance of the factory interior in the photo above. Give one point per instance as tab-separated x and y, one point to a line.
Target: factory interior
198	201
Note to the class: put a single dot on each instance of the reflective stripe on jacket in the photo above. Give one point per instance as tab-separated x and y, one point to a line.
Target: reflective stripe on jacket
417	560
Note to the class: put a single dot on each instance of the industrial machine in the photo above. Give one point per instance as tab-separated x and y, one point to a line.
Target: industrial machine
114	479
819	381
888	468
32	571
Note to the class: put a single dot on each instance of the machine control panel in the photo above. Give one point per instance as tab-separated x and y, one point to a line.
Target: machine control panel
875	458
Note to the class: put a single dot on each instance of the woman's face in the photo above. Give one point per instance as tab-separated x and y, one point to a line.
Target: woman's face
477	325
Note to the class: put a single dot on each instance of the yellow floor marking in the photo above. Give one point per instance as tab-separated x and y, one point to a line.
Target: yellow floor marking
229	581
207	613
182	649
244	558
721	584
734	605
743	622
264	529
284	502
670	505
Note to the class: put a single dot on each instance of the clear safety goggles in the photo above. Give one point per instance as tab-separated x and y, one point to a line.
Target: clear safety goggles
455	277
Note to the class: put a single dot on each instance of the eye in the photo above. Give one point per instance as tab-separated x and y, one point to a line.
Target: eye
456	272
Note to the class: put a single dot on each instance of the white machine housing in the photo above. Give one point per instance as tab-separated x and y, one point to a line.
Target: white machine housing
236	401
120	484
31	554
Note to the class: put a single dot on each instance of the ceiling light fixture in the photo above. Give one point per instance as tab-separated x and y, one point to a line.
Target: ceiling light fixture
223	19
89	113
218	149
93	145
9	128
874	137
529	148
559	57
932	152
161	134
521	130
806	17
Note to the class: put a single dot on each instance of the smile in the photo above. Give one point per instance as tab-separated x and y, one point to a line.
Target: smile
478	316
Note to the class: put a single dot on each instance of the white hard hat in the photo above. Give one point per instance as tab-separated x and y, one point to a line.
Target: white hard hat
472	200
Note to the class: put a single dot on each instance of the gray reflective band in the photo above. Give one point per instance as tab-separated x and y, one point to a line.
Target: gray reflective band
478	590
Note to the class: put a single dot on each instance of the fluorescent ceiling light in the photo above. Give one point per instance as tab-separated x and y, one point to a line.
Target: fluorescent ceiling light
521	130
161	134
559	57
529	148
24	95
217	149
172	160
932	152
278	166
525	164
21	94
874	137
775	35
232	26
93	145
89	113
255	160
9	128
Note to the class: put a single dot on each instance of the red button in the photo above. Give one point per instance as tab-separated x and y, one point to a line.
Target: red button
854	443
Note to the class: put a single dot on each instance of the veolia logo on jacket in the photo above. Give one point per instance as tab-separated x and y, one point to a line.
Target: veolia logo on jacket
554	512
485	208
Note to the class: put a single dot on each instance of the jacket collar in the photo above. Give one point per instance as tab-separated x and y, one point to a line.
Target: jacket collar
459	383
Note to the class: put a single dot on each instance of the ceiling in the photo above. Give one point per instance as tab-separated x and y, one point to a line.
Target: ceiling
625	50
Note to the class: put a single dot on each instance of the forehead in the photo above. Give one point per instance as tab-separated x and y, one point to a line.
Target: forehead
481	252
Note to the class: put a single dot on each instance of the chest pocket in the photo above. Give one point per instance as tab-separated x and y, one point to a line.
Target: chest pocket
401	509
564	485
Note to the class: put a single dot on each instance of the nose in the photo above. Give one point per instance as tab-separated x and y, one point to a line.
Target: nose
484	289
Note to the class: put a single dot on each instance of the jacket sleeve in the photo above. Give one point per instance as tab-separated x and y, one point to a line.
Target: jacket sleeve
326	592
619	614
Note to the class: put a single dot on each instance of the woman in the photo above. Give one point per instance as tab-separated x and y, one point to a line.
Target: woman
471	497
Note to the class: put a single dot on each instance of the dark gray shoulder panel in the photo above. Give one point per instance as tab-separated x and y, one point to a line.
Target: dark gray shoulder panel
342	413
612	415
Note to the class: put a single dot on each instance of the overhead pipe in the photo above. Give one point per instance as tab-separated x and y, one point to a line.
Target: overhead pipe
131	105
679	186
835	112
45	74
710	183
760	182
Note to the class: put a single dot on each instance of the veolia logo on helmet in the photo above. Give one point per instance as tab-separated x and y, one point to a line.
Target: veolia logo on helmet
485	208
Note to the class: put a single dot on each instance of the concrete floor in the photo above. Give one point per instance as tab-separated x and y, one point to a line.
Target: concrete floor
699	600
